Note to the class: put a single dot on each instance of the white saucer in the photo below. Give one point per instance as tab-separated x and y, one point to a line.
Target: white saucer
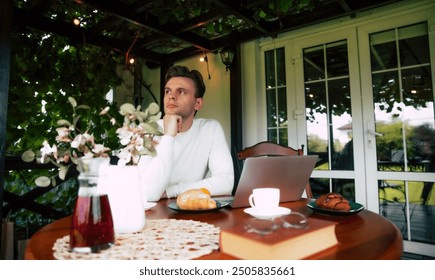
149	205
280	211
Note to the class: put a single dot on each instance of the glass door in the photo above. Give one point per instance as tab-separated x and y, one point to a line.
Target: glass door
369	105
401	130
329	81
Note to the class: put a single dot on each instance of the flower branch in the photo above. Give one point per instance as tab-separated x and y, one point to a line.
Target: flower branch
74	145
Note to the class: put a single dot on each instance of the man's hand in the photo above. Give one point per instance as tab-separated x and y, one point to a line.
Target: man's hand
171	124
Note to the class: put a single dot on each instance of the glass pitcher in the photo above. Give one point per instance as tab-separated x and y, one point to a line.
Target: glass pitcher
92	224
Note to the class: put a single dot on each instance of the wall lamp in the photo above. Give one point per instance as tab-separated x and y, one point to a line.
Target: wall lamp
227	56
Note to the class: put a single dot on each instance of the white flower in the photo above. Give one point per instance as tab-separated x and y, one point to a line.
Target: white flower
98	148
153	109
125	135
77	141
105	111
124	156
47	151
74	146
63	134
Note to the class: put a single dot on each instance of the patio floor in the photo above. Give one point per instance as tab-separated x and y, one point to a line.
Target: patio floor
422	222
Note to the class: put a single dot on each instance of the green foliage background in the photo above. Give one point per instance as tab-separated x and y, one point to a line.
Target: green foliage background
45	71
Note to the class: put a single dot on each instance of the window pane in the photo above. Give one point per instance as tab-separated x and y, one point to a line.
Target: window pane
270	68
276	96
337	60
393	197
272	135
315	98
282	107
283	136
417	87
383	50
280	67
414	45
328	106
317	123
403	101
345	187
386	92
272	120
314	64
341	124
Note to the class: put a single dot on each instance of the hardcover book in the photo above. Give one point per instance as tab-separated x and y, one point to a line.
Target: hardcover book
284	243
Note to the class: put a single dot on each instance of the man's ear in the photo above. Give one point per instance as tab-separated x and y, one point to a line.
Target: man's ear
199	103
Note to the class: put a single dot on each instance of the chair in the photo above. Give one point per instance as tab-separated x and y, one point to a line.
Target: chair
266	148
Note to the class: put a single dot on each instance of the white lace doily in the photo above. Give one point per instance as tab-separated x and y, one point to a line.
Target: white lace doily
161	239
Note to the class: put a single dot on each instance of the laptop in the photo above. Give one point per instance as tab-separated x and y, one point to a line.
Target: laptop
288	173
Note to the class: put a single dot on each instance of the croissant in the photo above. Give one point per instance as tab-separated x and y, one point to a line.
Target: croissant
195	199
333	201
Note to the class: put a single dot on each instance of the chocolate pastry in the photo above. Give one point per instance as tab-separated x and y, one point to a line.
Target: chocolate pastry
333	201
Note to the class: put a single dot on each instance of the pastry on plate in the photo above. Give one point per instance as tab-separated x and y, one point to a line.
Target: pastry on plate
195	199
333	201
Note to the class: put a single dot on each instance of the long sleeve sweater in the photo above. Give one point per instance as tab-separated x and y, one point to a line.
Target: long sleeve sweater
197	158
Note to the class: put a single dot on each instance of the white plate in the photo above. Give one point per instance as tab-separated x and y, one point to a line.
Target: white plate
149	205
280	211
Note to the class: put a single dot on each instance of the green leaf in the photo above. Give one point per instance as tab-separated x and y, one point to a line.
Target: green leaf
262	14
72	101
63	170
284	5
63	123
151	128
86	107
43	181
28	156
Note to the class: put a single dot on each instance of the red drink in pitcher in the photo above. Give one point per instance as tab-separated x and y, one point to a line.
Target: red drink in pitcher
92	225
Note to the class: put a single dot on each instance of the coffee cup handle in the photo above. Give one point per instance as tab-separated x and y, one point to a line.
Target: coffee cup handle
251	200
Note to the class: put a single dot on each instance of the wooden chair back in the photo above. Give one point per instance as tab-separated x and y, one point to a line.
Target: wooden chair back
267	148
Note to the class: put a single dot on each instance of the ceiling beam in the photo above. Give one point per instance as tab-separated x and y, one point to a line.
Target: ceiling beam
145	20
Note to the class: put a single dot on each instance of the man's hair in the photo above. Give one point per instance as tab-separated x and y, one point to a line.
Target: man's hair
194	75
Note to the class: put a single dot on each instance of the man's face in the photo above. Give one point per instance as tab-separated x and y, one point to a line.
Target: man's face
180	97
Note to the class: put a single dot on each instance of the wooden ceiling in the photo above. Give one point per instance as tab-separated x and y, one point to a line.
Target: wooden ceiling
164	31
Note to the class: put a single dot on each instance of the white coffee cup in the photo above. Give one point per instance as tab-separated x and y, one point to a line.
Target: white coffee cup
264	200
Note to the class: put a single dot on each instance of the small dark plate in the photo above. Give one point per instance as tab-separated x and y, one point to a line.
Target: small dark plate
355	208
219	205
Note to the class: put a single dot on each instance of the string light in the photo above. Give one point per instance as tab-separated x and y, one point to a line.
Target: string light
76	22
131	60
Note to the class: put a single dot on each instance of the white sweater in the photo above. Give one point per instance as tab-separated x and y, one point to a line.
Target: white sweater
197	158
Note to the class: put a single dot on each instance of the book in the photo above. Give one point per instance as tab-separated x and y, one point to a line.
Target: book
284	243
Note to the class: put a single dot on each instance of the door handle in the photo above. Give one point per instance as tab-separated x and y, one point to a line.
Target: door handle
374	133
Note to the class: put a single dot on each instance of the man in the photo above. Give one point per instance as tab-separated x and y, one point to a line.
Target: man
192	153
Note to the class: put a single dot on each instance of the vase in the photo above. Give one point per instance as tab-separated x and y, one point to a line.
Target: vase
92	224
121	184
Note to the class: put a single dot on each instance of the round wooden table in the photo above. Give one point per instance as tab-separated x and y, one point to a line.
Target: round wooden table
363	236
